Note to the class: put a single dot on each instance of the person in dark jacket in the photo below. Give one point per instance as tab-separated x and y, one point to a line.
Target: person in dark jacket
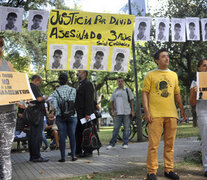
84	104
35	132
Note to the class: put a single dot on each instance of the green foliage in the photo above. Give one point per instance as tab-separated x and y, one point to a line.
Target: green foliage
28	50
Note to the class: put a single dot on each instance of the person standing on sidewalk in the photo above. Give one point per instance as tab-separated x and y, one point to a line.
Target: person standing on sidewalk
201	111
67	125
122	107
35	132
84	105
7	126
159	93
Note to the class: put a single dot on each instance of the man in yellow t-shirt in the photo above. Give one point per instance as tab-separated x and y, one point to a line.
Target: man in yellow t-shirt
159	93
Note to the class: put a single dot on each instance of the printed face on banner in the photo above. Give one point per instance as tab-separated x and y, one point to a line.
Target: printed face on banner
120	60
178	30
58	56
192	28
204	28
12	19
142	28
37	20
162	29
99	58
79	57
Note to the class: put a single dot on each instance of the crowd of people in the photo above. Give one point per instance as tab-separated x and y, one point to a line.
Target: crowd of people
160	94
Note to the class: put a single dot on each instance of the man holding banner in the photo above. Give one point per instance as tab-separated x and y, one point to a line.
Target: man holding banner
7	126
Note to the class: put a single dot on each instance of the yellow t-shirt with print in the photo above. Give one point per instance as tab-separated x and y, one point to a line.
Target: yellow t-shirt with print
161	85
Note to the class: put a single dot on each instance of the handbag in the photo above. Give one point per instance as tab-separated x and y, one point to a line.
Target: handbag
31	114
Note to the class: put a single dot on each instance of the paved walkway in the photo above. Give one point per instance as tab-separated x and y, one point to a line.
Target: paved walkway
108	160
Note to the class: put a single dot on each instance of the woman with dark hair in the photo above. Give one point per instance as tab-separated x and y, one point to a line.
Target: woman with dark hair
66	126
7	126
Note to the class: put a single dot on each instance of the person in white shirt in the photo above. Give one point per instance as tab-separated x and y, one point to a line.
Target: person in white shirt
201	111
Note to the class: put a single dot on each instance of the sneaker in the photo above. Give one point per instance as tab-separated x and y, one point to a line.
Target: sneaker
47	149
109	147
151	177
125	146
171	175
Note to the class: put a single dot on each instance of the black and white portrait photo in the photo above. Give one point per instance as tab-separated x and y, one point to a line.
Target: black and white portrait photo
79	57
192	28
11	19
99	58
178	29
204	28
38	20
120	59
162	29
58	56
142	28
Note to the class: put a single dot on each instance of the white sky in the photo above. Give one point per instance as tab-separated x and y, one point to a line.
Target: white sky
111	6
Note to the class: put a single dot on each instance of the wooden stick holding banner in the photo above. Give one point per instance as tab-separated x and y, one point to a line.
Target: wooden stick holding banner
14	86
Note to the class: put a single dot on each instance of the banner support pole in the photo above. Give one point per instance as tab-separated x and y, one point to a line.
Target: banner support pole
138	109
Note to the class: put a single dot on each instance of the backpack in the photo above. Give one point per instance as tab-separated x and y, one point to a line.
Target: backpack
90	139
67	107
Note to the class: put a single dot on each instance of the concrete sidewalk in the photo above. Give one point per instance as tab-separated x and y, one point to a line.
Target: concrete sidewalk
108	160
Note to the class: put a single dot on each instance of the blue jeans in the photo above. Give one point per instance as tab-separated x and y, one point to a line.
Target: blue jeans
44	139
66	127
119	119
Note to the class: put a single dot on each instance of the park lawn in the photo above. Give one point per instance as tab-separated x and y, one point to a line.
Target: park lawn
184	130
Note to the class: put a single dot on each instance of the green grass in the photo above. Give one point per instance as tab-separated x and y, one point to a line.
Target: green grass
184	130
187	130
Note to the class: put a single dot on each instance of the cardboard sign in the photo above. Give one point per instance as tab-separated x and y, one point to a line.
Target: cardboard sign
202	85
89	41
14	87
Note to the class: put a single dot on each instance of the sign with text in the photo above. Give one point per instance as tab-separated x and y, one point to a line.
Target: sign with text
89	41
202	85
14	87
